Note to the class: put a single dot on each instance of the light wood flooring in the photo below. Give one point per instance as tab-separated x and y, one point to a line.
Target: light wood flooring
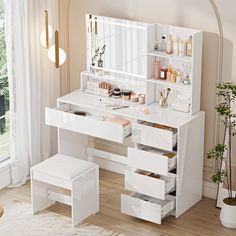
202	219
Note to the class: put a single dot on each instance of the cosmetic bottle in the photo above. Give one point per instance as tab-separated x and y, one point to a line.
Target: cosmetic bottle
189	46
157	69
163	44
182	48
163	73
169	44
176	47
168	75
173	76
179	77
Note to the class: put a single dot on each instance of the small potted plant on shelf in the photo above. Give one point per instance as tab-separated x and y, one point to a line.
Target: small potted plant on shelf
226	91
101	51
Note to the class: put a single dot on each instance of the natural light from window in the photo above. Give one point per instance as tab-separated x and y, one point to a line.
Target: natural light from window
4	92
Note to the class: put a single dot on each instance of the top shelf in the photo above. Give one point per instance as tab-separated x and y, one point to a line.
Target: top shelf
156	53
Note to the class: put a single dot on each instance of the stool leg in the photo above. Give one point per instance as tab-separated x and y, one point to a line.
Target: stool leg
39	198
85	196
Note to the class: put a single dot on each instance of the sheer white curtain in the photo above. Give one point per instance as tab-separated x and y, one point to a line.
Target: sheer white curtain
33	81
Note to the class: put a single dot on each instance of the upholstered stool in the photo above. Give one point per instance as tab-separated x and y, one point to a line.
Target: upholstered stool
78	176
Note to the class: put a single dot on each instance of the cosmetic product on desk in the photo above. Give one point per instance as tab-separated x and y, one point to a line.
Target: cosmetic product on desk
126	94
117	93
134	98
164	95
182	104
141	99
101	89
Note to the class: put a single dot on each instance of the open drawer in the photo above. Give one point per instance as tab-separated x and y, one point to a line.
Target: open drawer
160	138
149	185
152	160
147	208
62	117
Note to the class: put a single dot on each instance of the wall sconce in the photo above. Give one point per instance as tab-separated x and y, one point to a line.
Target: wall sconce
46	34
55	54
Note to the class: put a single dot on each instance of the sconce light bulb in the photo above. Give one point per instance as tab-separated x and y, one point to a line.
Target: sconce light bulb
43	36
52	56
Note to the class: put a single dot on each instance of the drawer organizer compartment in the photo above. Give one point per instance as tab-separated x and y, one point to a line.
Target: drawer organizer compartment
149	184
110	128
155	135
147	208
152	160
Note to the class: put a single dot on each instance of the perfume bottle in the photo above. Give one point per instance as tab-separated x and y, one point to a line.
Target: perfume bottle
189	46
169	44
176	47
169	72
163	74
163	44
157	73
173	76
182	48
179	77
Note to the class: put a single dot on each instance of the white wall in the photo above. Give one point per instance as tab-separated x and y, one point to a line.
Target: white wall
188	13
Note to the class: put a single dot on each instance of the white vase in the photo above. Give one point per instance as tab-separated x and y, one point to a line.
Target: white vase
228	215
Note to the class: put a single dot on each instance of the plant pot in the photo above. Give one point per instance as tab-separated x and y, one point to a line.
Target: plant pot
100	63
228	214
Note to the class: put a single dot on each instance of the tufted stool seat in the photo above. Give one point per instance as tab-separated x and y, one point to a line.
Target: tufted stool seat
60	171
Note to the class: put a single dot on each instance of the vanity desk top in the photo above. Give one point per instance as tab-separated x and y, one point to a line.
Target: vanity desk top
164	116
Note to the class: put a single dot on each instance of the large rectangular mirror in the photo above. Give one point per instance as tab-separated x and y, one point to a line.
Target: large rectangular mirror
123	42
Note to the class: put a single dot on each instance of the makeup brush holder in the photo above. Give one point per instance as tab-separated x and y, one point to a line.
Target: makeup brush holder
163	104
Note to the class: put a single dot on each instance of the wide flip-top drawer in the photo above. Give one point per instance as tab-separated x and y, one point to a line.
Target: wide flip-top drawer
151	160
146	208
149	185
149	135
63	117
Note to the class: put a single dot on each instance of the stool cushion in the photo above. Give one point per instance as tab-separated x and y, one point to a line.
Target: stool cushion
64	167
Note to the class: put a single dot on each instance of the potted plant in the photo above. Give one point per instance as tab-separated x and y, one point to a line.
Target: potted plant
101	52
226	91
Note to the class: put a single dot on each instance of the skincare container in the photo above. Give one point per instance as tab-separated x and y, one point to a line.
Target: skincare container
189	46
163	74
169	44
157	69
182	48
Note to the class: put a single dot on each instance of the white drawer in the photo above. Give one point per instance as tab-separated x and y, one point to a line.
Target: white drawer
150	160
158	188
146	208
89	125
154	137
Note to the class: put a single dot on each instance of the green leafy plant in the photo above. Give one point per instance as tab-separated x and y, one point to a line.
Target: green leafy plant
226	91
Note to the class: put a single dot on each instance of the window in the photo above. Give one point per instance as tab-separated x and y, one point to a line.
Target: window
4	92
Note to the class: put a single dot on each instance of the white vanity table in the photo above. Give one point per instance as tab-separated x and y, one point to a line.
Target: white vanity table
163	167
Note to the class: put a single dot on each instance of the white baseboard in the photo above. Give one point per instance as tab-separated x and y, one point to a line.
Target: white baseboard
209	190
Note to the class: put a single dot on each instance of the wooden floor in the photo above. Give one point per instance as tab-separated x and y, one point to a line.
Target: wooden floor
202	219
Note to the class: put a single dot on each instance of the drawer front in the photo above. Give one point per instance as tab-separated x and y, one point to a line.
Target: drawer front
154	137
87	125
144	209
150	186
149	161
